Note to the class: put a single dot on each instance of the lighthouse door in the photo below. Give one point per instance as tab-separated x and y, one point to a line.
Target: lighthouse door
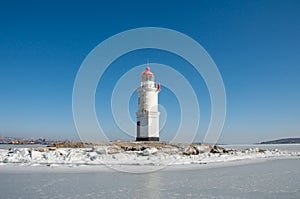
138	128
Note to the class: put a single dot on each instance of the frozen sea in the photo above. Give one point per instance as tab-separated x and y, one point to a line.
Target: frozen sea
265	178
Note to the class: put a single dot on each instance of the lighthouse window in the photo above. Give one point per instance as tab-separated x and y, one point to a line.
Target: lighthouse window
148	78
138	123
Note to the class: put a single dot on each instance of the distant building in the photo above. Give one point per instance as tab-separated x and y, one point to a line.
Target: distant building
147	114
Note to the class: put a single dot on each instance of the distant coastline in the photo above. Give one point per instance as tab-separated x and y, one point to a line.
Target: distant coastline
26	141
43	141
283	141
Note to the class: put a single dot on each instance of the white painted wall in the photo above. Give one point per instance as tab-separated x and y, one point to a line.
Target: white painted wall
147	113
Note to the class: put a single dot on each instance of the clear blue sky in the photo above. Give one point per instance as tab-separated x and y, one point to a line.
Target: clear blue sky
255	44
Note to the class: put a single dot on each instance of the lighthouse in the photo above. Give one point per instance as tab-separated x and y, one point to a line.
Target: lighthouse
147	114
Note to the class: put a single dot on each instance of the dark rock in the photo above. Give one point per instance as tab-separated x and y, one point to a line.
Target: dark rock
261	150
216	149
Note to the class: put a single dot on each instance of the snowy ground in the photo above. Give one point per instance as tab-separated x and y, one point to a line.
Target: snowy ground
107	155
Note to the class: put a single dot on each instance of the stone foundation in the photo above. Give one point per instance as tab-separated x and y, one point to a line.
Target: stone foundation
147	139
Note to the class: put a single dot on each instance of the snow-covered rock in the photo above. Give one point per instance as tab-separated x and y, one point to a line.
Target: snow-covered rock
203	148
190	150
149	151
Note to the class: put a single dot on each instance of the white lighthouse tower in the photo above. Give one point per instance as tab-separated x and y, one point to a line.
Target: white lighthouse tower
148	115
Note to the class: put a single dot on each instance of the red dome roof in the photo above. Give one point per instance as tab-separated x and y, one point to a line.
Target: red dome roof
147	72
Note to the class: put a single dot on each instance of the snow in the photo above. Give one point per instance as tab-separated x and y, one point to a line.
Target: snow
107	155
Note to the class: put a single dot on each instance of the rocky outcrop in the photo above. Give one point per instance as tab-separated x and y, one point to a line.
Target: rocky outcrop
143	148
69	145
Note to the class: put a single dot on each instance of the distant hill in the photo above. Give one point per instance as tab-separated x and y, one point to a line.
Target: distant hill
16	140
283	141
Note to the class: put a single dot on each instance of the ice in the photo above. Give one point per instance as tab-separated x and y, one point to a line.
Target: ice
264	179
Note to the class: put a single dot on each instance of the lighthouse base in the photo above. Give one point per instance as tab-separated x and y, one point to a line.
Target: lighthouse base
147	139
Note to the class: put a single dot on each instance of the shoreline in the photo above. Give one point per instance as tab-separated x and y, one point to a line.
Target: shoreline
134	169
137	157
